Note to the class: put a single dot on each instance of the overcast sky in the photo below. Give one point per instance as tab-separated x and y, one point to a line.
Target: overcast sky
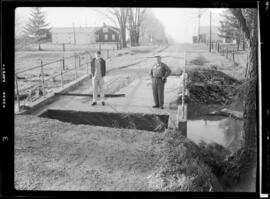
180	23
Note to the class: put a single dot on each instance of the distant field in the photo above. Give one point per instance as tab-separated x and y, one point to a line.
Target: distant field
68	47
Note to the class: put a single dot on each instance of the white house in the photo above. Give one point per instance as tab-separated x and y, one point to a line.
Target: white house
77	35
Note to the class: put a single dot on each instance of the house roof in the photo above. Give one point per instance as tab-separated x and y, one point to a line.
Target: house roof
71	29
111	27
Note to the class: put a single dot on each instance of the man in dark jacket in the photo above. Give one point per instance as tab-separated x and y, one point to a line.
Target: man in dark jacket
98	71
159	73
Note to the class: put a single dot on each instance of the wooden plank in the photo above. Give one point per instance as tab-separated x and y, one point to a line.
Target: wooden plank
90	95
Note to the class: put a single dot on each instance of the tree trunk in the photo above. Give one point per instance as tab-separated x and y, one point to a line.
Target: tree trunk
250	115
39	47
238	44
137	38
132	41
123	36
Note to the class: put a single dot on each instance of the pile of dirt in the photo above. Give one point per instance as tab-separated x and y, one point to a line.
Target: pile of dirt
181	167
211	87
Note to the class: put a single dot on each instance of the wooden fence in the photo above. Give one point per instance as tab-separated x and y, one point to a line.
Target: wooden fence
230	51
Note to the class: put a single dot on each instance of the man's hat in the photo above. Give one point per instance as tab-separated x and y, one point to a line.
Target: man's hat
157	56
98	52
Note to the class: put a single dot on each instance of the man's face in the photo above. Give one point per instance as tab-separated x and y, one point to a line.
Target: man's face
158	60
97	55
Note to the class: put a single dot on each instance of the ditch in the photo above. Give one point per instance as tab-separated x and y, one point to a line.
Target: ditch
148	122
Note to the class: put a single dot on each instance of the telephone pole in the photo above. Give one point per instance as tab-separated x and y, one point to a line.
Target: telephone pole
199	17
74	34
210	36
201	12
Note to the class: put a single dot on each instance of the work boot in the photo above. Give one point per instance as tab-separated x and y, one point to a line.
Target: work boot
94	103
103	103
155	106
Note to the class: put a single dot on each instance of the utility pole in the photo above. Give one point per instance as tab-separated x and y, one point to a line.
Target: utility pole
210	36
74	34
199	17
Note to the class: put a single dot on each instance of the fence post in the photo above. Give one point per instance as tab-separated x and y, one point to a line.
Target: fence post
75	66
64	68
227	52
89	63
182	109
42	76
233	55
64	49
63	62
79	61
107	53
17	93
218	47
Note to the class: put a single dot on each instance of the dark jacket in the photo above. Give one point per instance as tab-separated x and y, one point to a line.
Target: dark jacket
102	64
163	73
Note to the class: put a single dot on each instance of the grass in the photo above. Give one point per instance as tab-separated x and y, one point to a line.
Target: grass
181	167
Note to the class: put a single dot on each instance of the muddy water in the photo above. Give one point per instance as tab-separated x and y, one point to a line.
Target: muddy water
221	130
224	131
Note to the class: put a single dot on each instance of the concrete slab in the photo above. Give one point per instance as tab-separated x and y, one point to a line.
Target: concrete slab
138	99
133	81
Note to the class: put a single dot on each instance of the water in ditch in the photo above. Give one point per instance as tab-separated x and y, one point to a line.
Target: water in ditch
221	130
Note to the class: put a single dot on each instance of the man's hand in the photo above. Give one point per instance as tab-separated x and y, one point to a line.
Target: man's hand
163	79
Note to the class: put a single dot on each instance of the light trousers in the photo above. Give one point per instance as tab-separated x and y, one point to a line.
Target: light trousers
98	84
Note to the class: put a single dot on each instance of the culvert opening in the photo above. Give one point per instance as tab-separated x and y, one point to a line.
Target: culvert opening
139	121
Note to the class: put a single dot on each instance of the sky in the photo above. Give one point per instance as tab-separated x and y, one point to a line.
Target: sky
180	23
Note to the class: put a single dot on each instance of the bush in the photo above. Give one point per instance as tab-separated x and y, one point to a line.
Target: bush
181	167
214	156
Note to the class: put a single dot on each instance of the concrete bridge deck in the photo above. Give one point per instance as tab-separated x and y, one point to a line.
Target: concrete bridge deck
138	99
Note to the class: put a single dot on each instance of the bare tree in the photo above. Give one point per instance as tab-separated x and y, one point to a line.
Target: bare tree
135	18
152	30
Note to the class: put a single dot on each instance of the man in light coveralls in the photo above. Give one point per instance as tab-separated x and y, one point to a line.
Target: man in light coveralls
98	71
159	73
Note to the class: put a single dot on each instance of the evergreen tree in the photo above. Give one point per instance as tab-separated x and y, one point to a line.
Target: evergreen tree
230	28
37	28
